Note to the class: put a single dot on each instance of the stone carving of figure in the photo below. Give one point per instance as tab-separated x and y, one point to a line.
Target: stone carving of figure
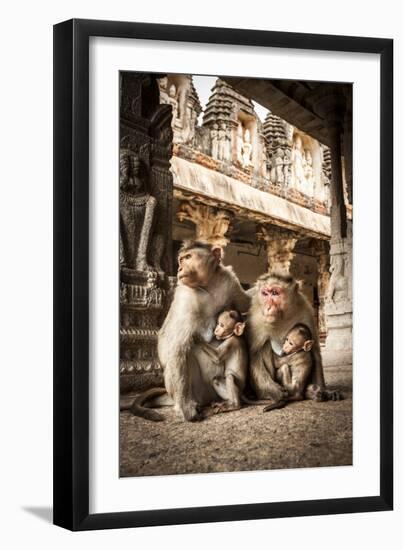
137	209
222	142
246	150
277	174
268	166
286	166
324	193
308	173
214	141
227	148
173	102
298	161
192	126
163	83
239	142
338	284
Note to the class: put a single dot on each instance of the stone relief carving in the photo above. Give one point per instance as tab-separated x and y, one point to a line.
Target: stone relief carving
338	283
298	163
279	154
308	173
163	85
277	174
214	141
146	190
211	223
239	142
179	92
287	167
223	143
137	209
246	150
174	103
279	247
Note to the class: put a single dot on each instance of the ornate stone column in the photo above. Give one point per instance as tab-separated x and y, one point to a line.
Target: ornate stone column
321	251
338	213
211	223
146	192
335	109
279	247
338	305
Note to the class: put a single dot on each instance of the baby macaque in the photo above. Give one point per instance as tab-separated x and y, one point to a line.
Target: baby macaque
233	355
294	366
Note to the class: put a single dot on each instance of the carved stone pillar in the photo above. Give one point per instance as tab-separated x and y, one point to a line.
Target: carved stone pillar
279	247
338	214
321	251
348	143
338	305
211	223
146	191
335	109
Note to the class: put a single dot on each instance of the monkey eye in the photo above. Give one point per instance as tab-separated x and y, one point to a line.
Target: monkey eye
274	292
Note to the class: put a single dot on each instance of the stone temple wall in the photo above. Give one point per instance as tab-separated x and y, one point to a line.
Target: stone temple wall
218	157
272	155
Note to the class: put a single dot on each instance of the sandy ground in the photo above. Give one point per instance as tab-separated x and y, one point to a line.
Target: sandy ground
304	434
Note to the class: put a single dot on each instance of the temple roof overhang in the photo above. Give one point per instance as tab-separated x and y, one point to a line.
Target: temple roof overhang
303	104
193	181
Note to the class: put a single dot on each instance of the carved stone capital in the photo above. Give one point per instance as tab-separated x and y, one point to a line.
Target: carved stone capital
211	223
279	246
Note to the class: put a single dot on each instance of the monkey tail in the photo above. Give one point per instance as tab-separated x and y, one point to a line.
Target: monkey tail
248	401
276	405
137	408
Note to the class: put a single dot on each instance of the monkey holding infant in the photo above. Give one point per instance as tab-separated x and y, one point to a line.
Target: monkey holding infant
205	287
278	306
194	376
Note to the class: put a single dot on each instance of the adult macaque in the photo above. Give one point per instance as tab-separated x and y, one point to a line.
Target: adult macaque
205	287
277	306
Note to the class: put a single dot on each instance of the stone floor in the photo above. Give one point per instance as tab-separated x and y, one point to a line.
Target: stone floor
304	434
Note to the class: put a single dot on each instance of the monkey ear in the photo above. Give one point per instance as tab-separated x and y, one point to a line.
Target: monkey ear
239	328
217	253
308	345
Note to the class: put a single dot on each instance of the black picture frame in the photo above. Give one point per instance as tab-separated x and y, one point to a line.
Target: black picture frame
71	274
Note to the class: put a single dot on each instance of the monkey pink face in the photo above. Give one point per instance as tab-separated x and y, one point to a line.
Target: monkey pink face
274	301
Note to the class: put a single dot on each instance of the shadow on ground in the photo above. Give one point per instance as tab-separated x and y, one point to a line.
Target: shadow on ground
44	513
304	434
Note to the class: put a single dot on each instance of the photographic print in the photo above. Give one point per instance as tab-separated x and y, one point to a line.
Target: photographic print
203	285
235	274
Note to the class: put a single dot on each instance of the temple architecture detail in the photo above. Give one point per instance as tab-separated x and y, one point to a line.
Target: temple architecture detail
270	193
274	194
280	245
146	193
211	224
